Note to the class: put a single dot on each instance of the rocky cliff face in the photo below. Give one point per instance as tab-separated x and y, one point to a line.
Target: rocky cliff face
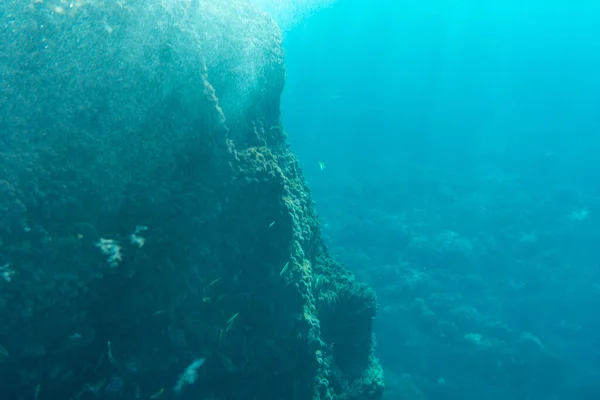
152	213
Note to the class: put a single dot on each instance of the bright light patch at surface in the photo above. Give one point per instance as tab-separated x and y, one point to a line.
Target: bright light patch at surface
288	13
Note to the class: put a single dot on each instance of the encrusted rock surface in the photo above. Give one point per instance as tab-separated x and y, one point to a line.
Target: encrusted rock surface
152	214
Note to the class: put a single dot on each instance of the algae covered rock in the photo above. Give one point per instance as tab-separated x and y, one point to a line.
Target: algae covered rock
156	232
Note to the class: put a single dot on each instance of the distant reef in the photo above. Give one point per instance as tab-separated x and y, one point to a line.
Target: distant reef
157	238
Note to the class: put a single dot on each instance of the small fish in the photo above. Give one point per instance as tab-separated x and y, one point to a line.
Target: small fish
37	392
190	375
110	352
285	268
4	352
213	282
157	394
318	281
230	321
321	165
271	224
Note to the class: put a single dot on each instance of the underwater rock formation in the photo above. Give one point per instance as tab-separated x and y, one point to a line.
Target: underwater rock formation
156	233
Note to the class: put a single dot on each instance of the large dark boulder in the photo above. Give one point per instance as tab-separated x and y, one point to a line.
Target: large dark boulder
152	214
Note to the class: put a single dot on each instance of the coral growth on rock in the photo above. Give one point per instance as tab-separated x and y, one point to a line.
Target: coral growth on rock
153	217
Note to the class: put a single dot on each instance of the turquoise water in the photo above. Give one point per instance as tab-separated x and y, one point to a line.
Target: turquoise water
460	147
157	240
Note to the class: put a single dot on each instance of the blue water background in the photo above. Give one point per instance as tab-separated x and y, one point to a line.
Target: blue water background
461	153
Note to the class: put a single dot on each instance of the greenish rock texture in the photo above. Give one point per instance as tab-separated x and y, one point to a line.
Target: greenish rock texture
152	214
